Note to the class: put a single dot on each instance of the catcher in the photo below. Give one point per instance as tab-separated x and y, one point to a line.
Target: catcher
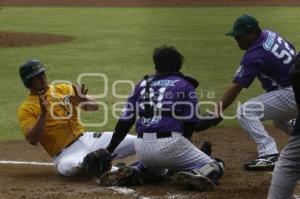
49	116
164	125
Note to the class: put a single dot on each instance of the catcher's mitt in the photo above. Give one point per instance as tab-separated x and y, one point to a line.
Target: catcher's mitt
97	163
207	123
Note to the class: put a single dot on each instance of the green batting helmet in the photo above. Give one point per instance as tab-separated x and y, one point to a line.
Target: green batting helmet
30	69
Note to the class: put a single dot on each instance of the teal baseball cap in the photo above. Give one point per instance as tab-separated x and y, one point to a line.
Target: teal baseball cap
242	25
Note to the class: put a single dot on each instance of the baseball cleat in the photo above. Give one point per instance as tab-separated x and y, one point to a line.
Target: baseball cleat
197	181
264	163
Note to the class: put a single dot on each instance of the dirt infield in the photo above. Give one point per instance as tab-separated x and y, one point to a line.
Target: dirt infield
12	39
231	144
148	3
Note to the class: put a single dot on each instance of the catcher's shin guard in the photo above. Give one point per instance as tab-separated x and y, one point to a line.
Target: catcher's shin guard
214	171
197	181
202	179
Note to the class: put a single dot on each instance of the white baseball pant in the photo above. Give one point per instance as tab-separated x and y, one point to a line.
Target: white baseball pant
68	162
174	153
279	106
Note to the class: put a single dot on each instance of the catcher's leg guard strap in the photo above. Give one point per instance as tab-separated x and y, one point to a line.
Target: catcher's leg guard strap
213	171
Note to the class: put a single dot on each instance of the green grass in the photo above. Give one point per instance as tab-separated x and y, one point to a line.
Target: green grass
119	42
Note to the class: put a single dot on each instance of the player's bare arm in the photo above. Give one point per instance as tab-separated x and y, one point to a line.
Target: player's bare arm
34	133
229	97
80	95
216	117
121	130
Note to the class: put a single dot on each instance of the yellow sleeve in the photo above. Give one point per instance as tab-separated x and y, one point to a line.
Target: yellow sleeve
27	117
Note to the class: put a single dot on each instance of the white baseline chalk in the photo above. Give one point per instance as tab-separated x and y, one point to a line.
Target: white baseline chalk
26	163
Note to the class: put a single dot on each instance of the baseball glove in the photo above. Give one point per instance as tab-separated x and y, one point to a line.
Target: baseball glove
208	122
97	163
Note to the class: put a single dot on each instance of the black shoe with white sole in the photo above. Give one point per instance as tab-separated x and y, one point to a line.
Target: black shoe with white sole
264	163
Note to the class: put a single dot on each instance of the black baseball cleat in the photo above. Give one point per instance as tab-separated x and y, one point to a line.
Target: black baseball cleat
206	148
263	163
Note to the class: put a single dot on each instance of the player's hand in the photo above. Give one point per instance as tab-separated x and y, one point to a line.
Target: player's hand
80	93
44	104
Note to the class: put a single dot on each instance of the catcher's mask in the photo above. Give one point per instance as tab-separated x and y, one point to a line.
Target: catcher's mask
30	69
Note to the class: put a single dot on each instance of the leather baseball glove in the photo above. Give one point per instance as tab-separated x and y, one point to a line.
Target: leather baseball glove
97	163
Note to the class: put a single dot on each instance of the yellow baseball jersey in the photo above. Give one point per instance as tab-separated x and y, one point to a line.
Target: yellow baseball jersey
62	126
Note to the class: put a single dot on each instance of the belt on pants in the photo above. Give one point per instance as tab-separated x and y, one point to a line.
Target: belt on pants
164	134
58	153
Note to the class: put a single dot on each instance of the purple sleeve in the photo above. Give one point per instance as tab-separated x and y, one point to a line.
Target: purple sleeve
248	70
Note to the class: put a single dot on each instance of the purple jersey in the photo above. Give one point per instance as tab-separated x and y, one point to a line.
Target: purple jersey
173	95
269	59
